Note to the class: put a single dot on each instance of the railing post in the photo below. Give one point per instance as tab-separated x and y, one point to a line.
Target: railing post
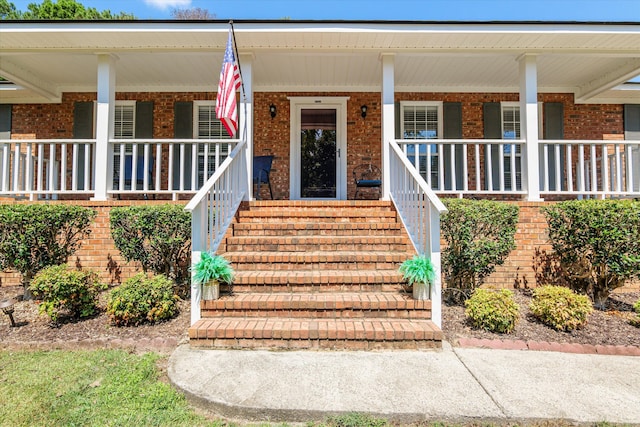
529	125
436	289
246	114
388	118
104	126
198	245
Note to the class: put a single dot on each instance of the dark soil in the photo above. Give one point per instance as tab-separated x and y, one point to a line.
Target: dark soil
34	327
609	327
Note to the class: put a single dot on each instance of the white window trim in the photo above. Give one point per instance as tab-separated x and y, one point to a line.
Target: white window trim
438	104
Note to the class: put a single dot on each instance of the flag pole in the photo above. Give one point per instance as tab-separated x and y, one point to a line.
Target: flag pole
244	92
235	46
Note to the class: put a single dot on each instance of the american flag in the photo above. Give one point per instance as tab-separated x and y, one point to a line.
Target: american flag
226	109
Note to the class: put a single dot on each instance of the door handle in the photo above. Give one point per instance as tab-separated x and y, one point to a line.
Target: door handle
338	153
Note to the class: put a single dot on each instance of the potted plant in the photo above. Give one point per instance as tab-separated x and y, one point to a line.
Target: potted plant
209	272
420	274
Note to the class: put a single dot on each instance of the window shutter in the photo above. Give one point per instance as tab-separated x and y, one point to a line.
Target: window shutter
553	120
452	129
83	120
182	129
5	121
183	120
492	118
632	121
553	129
82	129
144	120
398	125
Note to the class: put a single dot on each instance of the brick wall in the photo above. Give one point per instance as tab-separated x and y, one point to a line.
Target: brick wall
519	270
272	136
98	252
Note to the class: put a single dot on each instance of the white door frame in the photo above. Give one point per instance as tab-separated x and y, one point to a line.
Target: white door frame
339	103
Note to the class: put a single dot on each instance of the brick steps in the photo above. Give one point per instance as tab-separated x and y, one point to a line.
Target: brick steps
317	243
313	305
316	275
316	229
303	333
321	281
318	260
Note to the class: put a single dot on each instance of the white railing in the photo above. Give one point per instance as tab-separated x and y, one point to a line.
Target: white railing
590	168
213	208
46	167
458	166
420	210
172	166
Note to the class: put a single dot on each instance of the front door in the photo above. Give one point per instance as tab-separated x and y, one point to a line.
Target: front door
318	149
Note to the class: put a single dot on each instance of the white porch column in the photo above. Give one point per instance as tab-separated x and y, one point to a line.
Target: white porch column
529	125
388	118
246	116
105	113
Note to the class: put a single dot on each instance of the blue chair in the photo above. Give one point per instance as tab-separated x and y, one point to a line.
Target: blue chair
261	171
139	181
367	176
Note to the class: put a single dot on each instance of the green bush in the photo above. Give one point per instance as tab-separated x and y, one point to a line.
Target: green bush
33	237
64	291
142	299
494	311
479	236
560	307
597	244
159	237
635	321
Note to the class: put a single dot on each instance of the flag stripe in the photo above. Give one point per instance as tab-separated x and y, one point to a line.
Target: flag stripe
226	110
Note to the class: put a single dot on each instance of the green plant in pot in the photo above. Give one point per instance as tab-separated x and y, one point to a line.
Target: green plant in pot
209	272
420	274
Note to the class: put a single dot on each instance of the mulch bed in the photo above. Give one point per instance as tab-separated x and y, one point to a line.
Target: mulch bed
609	327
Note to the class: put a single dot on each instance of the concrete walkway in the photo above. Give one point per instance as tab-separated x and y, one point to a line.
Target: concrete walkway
454	384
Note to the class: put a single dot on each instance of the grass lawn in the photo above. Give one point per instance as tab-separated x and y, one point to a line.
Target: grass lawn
89	388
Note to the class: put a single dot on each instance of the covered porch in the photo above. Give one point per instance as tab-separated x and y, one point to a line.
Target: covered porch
525	111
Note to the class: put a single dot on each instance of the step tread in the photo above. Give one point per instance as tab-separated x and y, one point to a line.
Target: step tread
317	301
297	240
323	256
317	277
361	329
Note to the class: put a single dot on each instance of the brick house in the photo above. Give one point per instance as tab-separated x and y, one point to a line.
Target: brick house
519	111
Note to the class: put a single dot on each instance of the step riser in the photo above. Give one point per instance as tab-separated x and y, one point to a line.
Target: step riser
332	314
283	231
318	344
313	288
313	247
314	220
314	266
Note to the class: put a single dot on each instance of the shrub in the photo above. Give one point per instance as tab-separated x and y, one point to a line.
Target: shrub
479	235
597	244
142	299
66	291
494	311
33	237
560	307
159	237
635	321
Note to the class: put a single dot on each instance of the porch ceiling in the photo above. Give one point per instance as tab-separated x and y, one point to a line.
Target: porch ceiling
46	59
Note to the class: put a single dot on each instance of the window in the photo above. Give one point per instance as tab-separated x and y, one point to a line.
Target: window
124	128
511	130
422	120
207	126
